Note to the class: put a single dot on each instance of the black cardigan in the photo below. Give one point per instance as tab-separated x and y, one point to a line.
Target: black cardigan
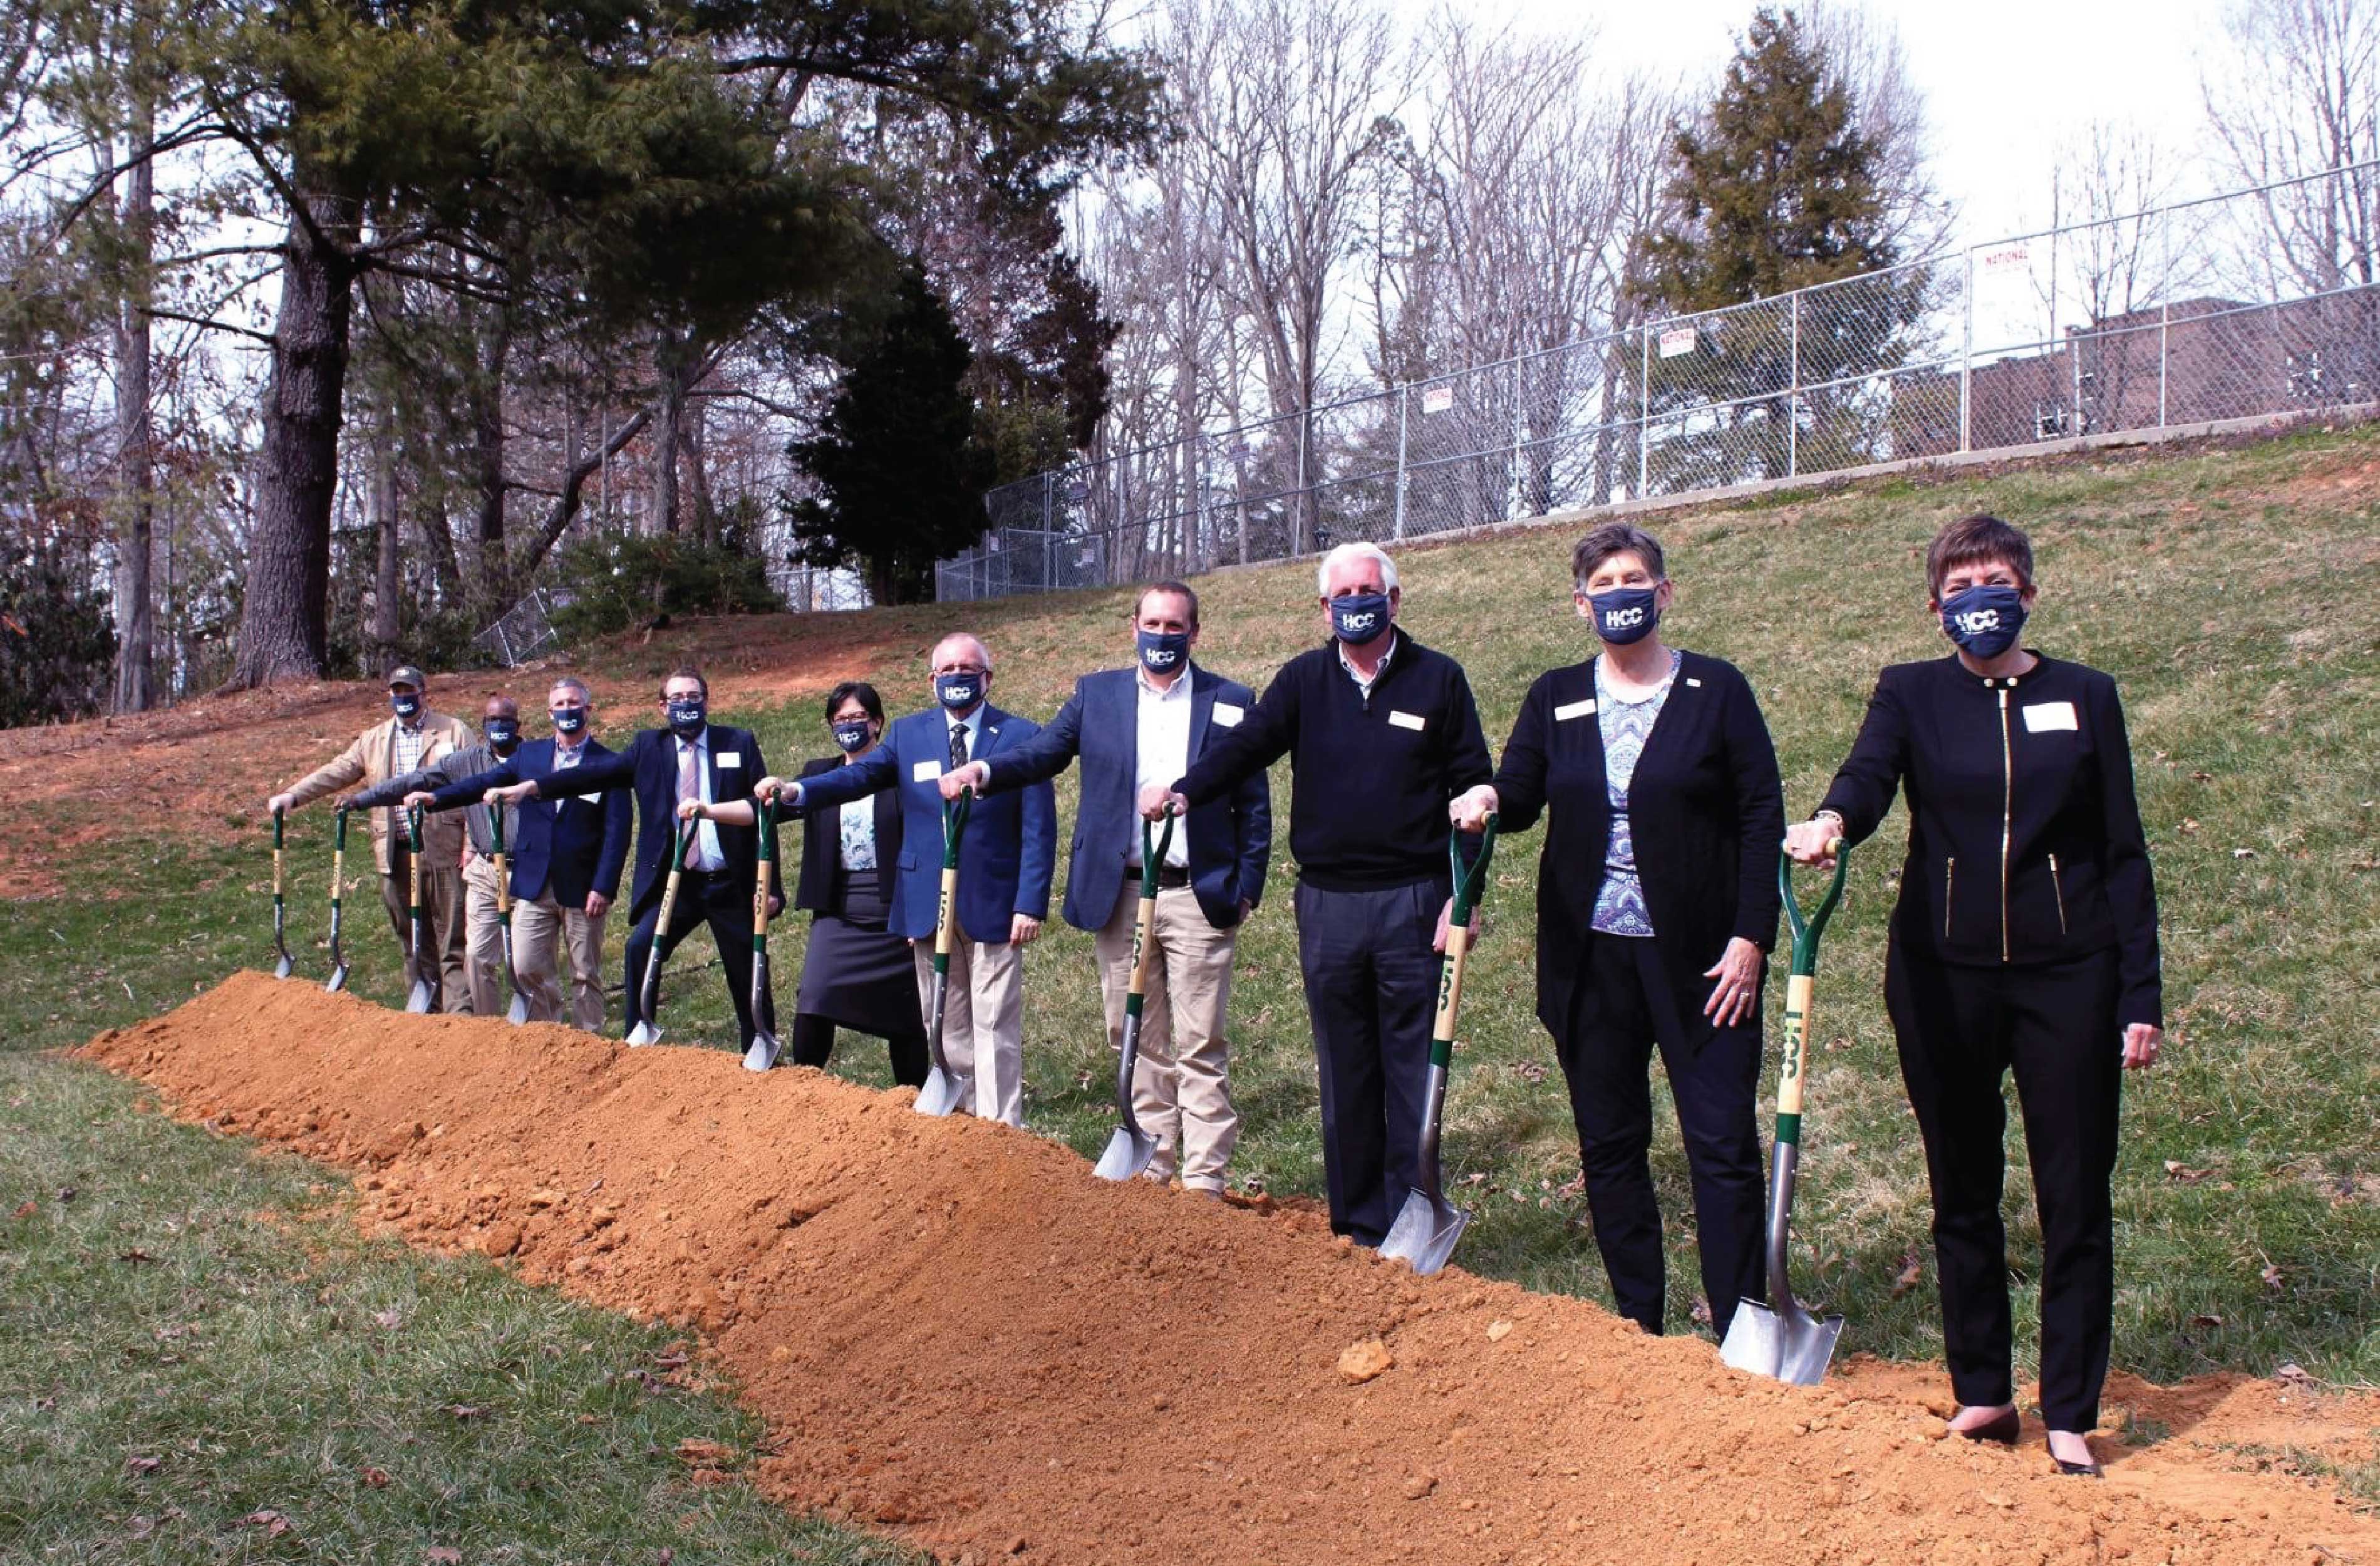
1706	807
822	842
2026	844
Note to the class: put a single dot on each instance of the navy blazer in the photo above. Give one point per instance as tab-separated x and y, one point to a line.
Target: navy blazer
1011	848
1230	836
822	846
1706	809
578	844
649	766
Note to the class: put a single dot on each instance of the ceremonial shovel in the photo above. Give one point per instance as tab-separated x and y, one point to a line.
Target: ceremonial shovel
1130	1148
945	1089
424	996
1781	1339
763	1054
286	965
519	1011
645	1032
1428	1225
338	979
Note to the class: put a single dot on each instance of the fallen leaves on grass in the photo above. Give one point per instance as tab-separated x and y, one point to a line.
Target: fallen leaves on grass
377	1478
1913	1271
2176	1170
465	1409
2272	1276
273	1524
136	1256
444	1555
140	1467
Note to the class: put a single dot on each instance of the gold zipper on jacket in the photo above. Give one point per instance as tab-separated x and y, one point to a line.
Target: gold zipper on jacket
2057	891
2008	815
1950	883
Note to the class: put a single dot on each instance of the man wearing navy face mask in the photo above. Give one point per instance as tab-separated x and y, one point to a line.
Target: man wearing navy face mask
1134	728
692	760
411	737
1381	733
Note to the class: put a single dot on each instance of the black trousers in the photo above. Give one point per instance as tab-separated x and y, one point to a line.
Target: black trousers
1960	1029
723	901
813	1045
1371	991
1623	1009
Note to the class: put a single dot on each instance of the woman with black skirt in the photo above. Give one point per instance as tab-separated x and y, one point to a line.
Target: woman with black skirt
855	974
2024	940
1656	904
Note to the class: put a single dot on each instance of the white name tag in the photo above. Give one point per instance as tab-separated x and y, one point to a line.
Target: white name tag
1405	721
2042	716
925	771
1229	714
727	760
1569	710
1693	681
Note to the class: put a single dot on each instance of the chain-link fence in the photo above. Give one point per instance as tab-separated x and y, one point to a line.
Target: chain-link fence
2258	302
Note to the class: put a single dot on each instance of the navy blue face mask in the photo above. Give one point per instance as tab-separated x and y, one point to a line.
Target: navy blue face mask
960	691
405	704
502	734
1625	614
1984	619
686	717
1360	619
1163	651
851	737
569	720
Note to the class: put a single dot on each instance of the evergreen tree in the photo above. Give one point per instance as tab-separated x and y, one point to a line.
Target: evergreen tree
896	457
1774	189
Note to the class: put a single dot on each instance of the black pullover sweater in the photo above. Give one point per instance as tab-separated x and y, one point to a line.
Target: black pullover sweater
1374	772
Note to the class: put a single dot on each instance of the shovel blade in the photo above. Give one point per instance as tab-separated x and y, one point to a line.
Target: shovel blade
644	1033
944	1091
1127	1154
1426	1231
284	968
518	1012
421	1000
337	981
763	1052
1792	1346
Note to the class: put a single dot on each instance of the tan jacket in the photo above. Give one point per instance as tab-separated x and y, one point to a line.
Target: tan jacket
373	759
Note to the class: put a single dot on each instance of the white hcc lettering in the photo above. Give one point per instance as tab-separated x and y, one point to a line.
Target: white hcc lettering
1620	619
1358	622
1976	621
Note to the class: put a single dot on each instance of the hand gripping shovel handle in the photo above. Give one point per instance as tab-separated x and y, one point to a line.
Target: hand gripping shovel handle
1469	886
761	1053
284	966
338	979
649	992
1129	1149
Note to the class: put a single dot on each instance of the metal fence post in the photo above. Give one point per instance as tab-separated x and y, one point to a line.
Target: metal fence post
1519	502
1793	388
1404	415
2165	326
1967	363
1297	491
1643	404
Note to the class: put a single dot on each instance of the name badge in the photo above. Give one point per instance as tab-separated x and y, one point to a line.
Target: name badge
590	799
1693	681
925	771
1405	721
2041	717
1230	713
1569	710
727	760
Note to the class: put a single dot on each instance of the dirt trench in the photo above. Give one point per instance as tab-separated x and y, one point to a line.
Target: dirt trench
957	1335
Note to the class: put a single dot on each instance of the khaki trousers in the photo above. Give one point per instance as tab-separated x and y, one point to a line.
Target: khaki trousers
983	1021
484	938
539	928
1181	1084
442	902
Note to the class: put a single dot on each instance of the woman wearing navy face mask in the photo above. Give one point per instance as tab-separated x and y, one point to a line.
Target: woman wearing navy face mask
2024	940
855	974
1656	904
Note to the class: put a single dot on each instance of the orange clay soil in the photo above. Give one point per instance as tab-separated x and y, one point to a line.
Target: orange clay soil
956	1334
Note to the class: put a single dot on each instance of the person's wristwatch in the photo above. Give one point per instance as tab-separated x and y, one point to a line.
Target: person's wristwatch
1834	816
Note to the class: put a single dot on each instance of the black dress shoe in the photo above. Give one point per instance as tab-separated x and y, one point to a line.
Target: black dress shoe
2088	1469
2003	1428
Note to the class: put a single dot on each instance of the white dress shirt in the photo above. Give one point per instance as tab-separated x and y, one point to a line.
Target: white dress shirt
1162	738
707	854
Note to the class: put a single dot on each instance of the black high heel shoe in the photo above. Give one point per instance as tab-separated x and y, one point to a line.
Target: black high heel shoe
2002	1429
2086	1470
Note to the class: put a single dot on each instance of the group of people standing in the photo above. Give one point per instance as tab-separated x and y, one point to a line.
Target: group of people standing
1657	900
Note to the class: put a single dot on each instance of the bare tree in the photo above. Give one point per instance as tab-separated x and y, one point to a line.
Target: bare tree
2301	95
1864	46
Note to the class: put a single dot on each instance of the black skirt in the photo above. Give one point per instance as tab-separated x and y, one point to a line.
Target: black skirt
857	974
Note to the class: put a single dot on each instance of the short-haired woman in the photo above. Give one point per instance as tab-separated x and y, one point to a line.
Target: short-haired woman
1656	904
2024	940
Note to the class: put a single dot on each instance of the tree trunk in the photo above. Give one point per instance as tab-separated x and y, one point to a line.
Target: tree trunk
387	624
487	439
282	628
698	467
135	682
669	363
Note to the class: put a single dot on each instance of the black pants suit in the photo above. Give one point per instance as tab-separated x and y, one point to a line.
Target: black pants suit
1708	811
2023	941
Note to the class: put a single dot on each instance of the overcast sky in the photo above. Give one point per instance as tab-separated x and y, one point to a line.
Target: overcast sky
2008	82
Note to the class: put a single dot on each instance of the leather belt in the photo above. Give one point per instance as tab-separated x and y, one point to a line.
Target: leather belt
1168	878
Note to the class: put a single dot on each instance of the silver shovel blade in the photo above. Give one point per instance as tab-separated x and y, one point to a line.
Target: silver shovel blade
1426	1231
1795	1347
644	1033
284	968
944	1092
763	1052
518	1012
421	1000
1127	1154
337	981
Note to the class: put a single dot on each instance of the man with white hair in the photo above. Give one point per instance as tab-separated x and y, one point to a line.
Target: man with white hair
1006	861
1381	733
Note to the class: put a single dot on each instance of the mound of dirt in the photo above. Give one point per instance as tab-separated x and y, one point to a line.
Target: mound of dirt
956	1333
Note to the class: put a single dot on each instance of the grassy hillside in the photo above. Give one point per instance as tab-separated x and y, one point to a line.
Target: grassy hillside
2231	590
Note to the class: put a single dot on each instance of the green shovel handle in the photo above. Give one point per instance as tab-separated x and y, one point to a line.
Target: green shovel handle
1152	855
496	826
954	819
1469	884
1807	931
413	829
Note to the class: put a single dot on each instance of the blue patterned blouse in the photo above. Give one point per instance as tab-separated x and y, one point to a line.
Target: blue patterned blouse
1625	721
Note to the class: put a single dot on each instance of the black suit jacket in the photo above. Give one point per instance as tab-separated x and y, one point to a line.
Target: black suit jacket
1706	810
578	845
822	845
2024	837
649	767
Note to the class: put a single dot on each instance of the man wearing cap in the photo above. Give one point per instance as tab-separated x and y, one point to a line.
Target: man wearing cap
411	738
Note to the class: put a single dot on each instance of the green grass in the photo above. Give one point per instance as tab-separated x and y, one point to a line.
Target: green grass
2232	598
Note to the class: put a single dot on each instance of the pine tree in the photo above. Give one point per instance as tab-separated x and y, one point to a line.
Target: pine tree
896	457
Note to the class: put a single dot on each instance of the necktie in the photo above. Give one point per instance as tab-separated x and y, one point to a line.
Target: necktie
958	746
689	786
